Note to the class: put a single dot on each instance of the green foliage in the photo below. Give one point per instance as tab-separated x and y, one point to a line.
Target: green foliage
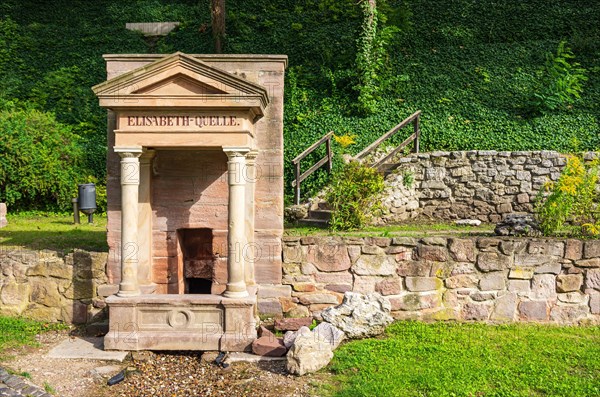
351	195
561	80
408	178
573	198
40	160
15	332
450	359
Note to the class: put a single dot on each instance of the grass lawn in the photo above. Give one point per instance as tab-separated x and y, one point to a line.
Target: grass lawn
415	229
53	232
16	332
449	359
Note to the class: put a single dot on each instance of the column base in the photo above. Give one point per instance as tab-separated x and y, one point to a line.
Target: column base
235	294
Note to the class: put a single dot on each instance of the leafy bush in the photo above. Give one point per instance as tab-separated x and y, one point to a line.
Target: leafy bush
562	80
573	198
351	195
40	160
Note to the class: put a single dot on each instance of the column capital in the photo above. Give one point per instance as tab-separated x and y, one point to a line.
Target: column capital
128	152
233	151
251	156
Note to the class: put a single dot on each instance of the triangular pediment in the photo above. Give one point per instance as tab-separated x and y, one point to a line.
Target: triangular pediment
180	80
180	84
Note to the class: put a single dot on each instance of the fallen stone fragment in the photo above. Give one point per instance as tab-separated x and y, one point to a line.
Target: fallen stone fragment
290	336
518	225
309	353
330	333
360	316
467	222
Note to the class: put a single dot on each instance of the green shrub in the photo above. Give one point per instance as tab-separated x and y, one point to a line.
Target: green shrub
352	195
573	198
561	80
40	160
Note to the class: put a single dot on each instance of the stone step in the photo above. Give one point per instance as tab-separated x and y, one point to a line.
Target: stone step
324	205
320	214
320	223
388	168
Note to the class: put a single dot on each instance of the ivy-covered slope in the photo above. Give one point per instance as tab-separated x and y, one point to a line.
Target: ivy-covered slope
471	67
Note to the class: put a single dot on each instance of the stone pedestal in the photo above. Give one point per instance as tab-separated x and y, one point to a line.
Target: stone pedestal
3	221
180	322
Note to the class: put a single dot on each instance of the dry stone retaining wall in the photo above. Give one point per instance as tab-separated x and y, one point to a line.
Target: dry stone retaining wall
439	278
46	286
482	185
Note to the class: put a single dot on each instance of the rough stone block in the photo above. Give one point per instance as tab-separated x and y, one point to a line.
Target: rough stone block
461	281
576	297
389	286
374	265
592	279
415	301
366	284
568	313
308	268
354	252
491	261
505	307
594	262
569	282
533	310
269	346
292	324
594	301
331	255
462	250
372	250
521	287
340	288
573	249
551	268
421	284
591	249
432	253
543	286
334	278
304	287
414	269
493	281
552	248
270	307
476	311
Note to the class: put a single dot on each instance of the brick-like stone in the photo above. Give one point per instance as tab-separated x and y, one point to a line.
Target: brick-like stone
106	290
483	296
569	282
273	291
461	281
592	279
366	284
318	298
520	287
493	281
334	278
304	287
551	248
462	250
565	314
533	310
492	261
389	286
421	284
432	253
549	268
374	265
372	250
269	347
576	297
308	268
543	286
521	273
341	288
294	254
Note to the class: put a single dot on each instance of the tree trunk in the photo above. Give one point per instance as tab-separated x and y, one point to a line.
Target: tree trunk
217	12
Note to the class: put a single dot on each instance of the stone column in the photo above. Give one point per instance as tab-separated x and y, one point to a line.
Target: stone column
130	181
250	252
236	233
145	223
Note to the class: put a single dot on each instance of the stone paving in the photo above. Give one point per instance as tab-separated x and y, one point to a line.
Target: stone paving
16	386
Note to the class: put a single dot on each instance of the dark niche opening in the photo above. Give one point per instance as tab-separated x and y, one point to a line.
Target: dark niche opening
198	259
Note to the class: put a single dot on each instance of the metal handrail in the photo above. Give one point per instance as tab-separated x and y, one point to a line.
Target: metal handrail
328	159
413	118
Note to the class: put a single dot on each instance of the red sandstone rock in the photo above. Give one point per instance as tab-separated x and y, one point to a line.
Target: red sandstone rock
292	324
269	346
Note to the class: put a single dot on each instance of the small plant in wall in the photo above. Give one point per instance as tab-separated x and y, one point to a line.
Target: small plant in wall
572	199
352	195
